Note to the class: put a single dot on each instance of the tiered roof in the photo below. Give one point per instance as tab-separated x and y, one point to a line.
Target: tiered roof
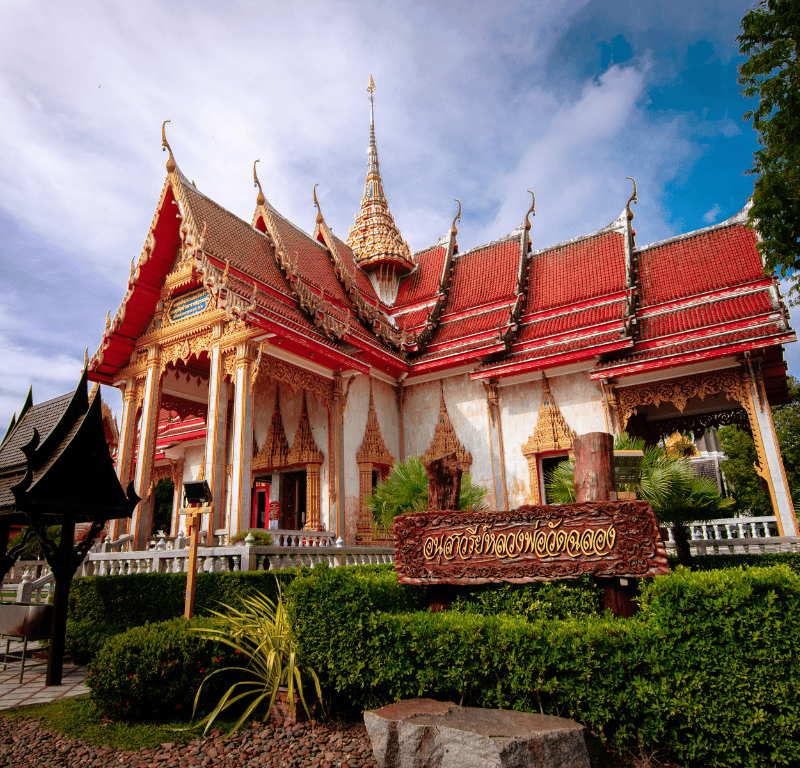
501	309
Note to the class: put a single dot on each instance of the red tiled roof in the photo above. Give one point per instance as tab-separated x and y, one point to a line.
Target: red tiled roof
414	319
576	271
570	321
363	283
711	313
313	262
695	264
469	325
228	237
484	275
423	282
719	340
460	349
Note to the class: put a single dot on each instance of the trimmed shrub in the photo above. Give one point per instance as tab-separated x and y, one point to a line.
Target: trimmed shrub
571	598
153	672
708	668
85	638
718	562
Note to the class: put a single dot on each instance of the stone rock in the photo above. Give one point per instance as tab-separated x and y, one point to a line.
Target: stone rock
422	733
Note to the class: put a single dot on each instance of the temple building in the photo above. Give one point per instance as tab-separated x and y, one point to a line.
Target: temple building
291	370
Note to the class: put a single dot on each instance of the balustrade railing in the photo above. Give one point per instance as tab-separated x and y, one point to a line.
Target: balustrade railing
732	528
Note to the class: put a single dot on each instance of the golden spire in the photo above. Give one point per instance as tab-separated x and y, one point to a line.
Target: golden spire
375	237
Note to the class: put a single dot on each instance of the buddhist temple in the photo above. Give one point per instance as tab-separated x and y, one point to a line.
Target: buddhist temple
292	369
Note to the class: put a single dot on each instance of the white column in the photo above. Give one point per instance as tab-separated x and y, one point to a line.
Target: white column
215	436
151	405
242	440
125	448
773	472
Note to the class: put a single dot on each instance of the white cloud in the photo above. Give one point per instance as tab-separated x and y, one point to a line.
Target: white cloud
710	216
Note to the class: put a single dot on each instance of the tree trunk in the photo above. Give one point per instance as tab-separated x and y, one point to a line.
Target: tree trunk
594	467
681	535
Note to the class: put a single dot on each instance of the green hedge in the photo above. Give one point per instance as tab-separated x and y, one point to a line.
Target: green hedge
717	562
708	668
153	672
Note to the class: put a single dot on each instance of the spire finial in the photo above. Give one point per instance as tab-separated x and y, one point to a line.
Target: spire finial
454	229
260	200
86	359
531	211
316	203
171	164
631	199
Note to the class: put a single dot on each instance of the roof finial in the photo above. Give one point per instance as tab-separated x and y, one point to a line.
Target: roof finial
316	203
260	200
86	359
631	199
171	164
108	320
454	229
531	211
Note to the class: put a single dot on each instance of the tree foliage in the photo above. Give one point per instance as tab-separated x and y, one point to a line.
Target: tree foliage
405	489
750	491
769	37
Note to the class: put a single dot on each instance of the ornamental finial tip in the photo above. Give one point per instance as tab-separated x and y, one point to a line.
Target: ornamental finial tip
371	86
453	229
171	164
531	211
260	200
631	199
316	203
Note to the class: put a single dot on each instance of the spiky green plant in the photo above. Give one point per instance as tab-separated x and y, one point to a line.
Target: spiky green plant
260	631
405	489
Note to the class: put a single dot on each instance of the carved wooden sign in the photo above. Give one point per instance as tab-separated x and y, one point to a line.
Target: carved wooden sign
531	543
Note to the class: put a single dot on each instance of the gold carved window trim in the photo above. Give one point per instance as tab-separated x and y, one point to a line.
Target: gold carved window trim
552	433
275	451
445	439
304	449
730	382
296	378
373	449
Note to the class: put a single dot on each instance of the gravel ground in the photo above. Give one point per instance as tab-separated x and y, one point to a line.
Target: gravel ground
23	743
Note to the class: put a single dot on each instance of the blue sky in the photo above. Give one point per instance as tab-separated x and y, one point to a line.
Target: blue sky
474	100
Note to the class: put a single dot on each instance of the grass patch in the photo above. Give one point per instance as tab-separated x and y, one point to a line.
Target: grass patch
78	718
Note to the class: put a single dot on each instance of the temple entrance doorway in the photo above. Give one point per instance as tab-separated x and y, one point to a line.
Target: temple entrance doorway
293	501
259	516
548	464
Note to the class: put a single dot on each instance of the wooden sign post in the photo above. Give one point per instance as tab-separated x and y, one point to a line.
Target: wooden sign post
193	517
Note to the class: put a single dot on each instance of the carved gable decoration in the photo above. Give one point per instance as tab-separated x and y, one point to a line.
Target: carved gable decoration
373	450
295	377
304	449
275	451
552	432
445	439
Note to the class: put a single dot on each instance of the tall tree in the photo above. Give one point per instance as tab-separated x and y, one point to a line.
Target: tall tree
769	37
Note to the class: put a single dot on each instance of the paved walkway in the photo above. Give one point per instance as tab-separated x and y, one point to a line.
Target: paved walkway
33	690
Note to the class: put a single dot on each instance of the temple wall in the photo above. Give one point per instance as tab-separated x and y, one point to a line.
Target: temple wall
355	420
580	401
466	405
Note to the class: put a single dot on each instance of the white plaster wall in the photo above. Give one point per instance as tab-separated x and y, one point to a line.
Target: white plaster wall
466	405
581	403
355	423
291	405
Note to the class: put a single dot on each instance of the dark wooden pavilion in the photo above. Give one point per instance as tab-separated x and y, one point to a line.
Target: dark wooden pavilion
55	469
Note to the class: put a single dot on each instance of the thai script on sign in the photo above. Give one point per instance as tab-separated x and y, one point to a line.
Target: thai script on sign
550	540
189	304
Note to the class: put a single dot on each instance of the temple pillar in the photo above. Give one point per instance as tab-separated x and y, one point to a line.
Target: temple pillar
313	495
241	482
215	434
125	448
151	407
770	462
364	535
177	498
338	456
496	452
